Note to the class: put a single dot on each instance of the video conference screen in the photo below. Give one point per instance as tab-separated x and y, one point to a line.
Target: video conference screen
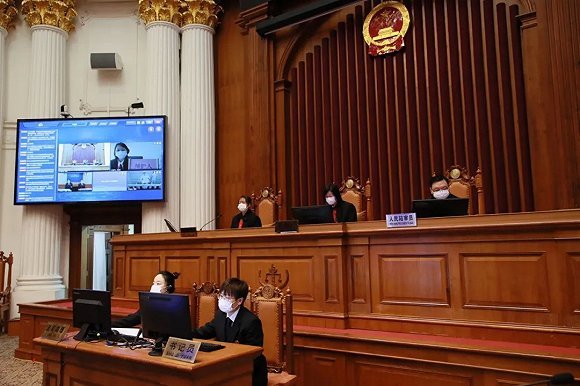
90	160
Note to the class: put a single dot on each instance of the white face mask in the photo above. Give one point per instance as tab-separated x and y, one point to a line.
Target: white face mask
242	207
441	194
331	200
225	305
156	288
121	154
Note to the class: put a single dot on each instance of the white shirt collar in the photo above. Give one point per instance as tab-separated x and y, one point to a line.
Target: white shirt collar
234	314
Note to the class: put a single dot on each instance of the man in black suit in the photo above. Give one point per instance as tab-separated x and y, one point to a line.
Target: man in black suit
234	323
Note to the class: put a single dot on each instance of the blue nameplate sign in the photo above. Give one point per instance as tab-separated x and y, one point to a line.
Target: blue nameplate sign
401	220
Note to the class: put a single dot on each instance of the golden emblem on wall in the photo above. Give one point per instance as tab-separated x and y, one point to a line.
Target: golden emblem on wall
385	27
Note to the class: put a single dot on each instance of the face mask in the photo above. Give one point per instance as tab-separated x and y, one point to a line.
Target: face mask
441	194
156	288
331	200
242	207
225	305
121	154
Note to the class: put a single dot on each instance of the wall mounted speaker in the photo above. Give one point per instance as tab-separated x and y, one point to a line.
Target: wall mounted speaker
106	61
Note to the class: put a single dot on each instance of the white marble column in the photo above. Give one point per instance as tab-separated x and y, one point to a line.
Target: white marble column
198	151
3	34
8	14
163	99
42	225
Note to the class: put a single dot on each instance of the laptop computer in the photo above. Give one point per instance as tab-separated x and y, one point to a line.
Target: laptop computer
170	225
440	208
318	214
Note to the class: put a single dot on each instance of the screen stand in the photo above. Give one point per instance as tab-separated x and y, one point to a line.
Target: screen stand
158	349
83	333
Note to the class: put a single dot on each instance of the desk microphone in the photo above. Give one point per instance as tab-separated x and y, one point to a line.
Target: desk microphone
557	379
210	221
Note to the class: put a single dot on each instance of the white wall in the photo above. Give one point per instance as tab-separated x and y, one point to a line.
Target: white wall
101	26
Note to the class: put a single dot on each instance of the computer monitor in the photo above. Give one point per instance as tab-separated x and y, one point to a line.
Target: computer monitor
92	313
440	208
318	214
164	316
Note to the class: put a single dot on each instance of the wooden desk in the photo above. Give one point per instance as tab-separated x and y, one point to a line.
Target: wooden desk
71	362
35	316
512	277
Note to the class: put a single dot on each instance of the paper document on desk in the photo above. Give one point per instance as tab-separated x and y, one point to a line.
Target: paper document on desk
127	331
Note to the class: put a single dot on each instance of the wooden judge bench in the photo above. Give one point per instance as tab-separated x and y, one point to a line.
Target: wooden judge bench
474	300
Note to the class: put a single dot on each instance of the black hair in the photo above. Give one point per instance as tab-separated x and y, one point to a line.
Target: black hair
169	280
437	178
333	188
235	287
248	200
120	144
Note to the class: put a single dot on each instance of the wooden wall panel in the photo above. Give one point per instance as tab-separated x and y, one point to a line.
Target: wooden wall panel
530	292
413	280
141	271
454	94
188	268
573	267
369	372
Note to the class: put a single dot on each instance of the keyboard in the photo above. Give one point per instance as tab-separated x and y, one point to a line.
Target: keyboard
207	347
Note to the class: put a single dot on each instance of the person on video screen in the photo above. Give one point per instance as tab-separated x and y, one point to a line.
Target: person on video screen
121	160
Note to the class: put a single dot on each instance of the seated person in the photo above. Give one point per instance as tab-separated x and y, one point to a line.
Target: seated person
234	323
164	283
439	187
246	218
121	160
342	211
68	185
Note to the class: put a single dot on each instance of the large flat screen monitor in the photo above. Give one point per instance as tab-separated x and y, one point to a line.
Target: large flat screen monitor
440	208
91	313
318	214
164	316
90	160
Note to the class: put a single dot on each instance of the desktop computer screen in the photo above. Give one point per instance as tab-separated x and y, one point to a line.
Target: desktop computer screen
319	214
164	316
91	313
440	208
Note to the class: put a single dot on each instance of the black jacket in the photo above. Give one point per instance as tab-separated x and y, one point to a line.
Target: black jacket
345	212
115	164
248	330
250	220
128	321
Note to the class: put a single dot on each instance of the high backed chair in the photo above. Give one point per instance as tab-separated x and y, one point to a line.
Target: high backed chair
267	205
274	308
462	185
204	303
5	288
360	196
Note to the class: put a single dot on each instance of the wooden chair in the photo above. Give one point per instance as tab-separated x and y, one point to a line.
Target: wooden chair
462	185
267	205
6	289
360	196
204	303
274	308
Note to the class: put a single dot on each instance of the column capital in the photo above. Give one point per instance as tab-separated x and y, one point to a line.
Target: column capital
160	10
8	13
56	13
206	12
